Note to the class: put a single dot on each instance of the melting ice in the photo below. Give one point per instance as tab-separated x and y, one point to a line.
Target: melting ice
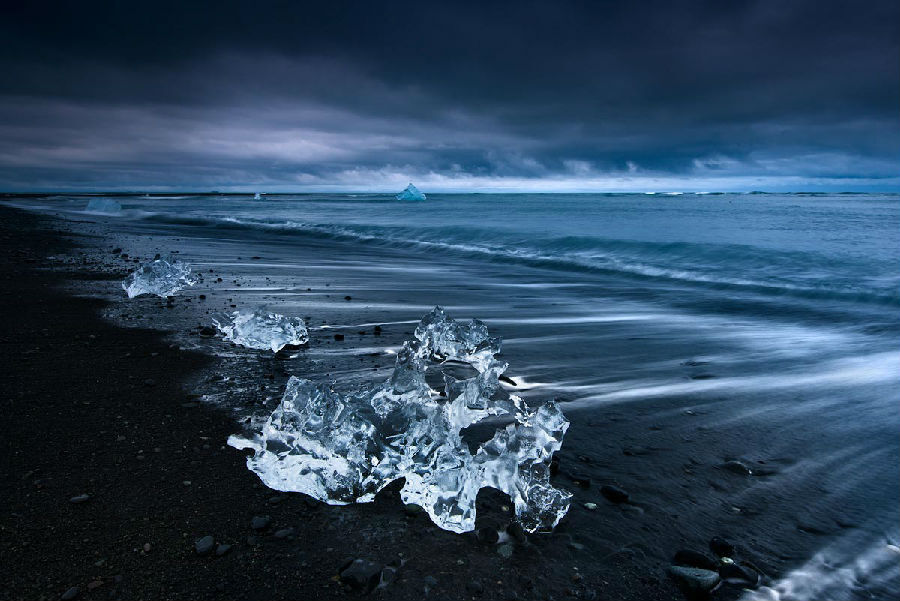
411	193
160	277
103	205
343	448
262	329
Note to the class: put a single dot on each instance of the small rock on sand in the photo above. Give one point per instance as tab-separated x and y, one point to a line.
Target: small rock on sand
614	493
694	581
204	545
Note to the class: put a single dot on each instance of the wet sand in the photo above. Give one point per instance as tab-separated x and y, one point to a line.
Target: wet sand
121	414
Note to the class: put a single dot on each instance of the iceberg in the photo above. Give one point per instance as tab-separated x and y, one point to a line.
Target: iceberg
262	329
343	448
411	193
160	277
105	206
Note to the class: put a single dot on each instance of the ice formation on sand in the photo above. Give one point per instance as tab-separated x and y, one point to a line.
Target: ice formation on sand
262	329
344	448
160	277
103	205
411	193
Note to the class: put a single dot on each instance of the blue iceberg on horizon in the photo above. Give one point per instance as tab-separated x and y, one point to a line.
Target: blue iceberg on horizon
411	193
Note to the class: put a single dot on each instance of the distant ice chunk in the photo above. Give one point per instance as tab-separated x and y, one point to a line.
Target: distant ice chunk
411	193
262	329
160	277
106	206
257	196
344	447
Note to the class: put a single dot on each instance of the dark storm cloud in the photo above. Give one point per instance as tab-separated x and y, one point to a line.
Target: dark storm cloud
285	93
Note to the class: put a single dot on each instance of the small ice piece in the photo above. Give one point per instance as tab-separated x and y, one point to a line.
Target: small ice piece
411	193
105	206
345	447
160	277
257	196
262	329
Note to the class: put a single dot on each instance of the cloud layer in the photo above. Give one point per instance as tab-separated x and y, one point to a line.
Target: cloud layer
458	96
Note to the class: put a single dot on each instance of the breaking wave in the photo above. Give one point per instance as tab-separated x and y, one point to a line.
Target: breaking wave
715	266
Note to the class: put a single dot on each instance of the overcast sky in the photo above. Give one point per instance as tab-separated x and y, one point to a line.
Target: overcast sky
294	96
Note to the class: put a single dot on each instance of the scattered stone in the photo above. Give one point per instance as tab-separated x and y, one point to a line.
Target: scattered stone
377	330
284	533
475	588
149	382
204	545
70	594
223	550
348	297
581	480
488	535
721	547
79	499
338	337
207	331
590	506
694	559
361	574
614	493
516	532
733	572
147	547
505	550
94	584
260	522
694	581
412	510
737	467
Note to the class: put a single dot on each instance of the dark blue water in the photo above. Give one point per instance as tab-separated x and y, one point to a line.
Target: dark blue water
760	327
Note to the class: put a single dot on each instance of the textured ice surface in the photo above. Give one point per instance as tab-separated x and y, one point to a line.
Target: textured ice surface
262	329
103	205
160	277
411	193
344	447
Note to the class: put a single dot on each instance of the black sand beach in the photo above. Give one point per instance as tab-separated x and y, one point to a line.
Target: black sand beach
100	412
115	466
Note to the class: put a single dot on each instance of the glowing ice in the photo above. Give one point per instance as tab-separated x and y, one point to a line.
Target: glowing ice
160	277
103	205
411	193
262	329
344	448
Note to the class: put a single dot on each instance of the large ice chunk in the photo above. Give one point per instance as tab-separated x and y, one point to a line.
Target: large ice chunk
105	206
262	329
160	277
411	193
344	447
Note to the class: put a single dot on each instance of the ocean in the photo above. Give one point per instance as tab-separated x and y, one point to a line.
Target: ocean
679	331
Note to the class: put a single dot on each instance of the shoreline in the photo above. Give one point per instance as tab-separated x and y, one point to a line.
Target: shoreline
153	426
98	410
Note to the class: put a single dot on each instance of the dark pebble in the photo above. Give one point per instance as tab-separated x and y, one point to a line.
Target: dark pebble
79	499
733	572
203	546
284	533
488	535
474	587
338	337
207	331
223	550
377	330
694	559
614	493
581	480
70	594
361	574
737	467
260	522
694	581
721	547
348	297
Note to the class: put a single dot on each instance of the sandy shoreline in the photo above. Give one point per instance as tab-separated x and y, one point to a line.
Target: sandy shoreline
102	411
136	418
